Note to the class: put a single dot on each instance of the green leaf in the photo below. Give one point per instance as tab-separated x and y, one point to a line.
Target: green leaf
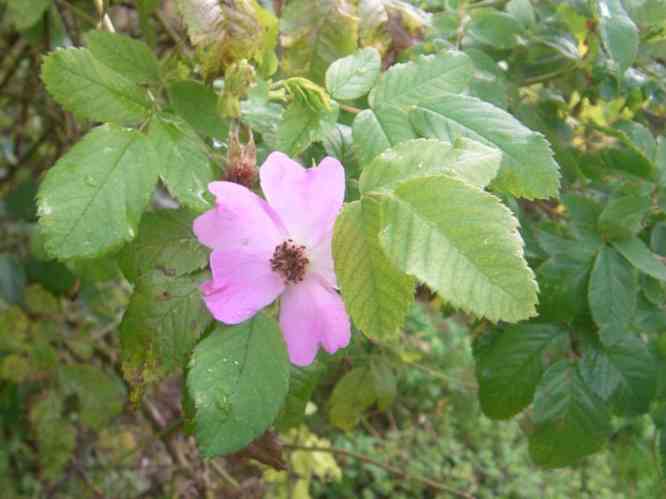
101	395
571	420
314	33
352	396
428	77
132	58
301	126
302	382
463	243
496	29
622	217
528	168
466	159
376	294
640	256
622	372
56	438
509	366
184	164
375	130
238	379
165	242
92	200
197	104
619	34
523	11
384	379
613	289
563	285
83	85
23	14
163	321
353	76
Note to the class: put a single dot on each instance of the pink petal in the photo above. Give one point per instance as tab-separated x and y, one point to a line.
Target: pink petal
307	201
321	260
243	283
312	314
241	219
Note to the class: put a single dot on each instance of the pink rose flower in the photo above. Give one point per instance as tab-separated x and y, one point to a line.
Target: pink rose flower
279	247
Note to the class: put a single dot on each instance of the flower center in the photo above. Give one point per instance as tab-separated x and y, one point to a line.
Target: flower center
289	259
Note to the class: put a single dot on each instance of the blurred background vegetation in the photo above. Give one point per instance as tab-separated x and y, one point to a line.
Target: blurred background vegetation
69	430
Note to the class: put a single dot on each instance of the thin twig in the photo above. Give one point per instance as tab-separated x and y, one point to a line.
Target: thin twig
105	20
350	109
391	469
224	474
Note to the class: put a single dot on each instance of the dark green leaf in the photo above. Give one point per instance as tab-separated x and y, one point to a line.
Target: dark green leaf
509	366
622	217
165	242
238	379
623	372
197	104
12	279
164	319
612	290
571	421
619	34
640	256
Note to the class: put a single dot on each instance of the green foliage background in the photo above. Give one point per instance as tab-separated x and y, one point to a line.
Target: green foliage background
501	250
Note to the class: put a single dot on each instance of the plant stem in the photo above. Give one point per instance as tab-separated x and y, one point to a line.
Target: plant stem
391	469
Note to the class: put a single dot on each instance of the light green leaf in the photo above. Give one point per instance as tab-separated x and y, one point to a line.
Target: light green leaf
640	256
471	161
528	168
353	76
163	321
83	85
374	131
523	11
496	29
428	77
92	200
197	104
132	58
509	366
301	126
368	136
238	379
376	294
463	243
571	420
165	242
101	395
385	382
23	14
314	33
622	372
612	290
622	217
184	164
619	34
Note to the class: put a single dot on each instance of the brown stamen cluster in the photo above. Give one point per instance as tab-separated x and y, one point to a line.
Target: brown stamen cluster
289	259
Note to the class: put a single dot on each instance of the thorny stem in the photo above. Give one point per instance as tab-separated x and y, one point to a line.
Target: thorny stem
391	469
